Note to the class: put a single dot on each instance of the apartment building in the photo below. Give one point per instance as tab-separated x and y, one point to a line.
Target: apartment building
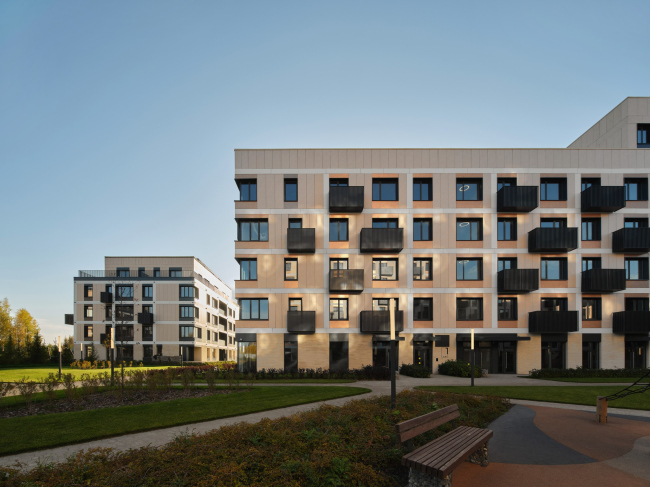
543	252
154	306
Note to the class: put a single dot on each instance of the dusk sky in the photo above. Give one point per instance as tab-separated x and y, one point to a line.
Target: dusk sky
119	120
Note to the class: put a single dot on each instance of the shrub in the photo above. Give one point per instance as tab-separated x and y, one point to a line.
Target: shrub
414	370
28	389
49	385
582	372
457	368
5	388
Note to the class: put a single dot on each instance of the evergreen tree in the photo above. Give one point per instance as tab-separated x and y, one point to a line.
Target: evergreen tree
38	353
9	353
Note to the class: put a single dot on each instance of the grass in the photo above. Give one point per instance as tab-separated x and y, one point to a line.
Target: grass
47	431
603	380
37	372
563	394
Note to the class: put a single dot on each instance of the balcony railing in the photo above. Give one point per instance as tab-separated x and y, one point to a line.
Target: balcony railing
301	321
552	321
301	240
602	199
346	280
346	199
631	240
106	298
631	322
553	240
379	321
381	240
603	280
517	199
145	318
518	281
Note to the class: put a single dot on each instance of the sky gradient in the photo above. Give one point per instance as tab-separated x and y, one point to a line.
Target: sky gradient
118	120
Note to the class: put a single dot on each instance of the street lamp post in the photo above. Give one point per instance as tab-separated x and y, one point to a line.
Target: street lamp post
60	358
393	386
472	355
112	356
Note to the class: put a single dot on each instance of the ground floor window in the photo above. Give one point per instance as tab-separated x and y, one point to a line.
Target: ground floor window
124	352
247	356
635	354
148	352
186	352
339	352
553	355
223	354
381	354
291	355
497	357
590	351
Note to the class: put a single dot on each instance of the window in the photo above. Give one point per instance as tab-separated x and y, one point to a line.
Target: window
88	291
507	309
552	223
469	189
636	223
507	229
188	312
553	189
338	182
469	229
124	313
589	182
147	333
506	263
254	309
469	269
636	268
422	189
207	318
156	272
247	189
295	222
124	292
199	332
422	269
384	223
295	304
141	272
469	309
589	263
636	304
186	332
253	230
554	304
636	189
422	309
88	331
124	333
338	309
147	291
642	132
108	313
384	189
123	272
421	229
290	189
554	269
590	229
384	269
147	351
591	309
247	270
338	229
175	272
207	299
506	182
188	292
338	264
290	269
383	304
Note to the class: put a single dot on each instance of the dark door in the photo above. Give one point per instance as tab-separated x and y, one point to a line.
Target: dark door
381	354
505	353
291	356
553	355
635	354
422	354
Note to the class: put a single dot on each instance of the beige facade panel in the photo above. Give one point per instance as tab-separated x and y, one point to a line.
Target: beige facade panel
313	351
270	351
359	350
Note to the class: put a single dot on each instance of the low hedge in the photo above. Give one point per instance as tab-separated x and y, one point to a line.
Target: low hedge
457	368
582	372
415	371
365	373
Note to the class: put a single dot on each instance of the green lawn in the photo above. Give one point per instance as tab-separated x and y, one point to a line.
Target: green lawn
37	372
47	431
602	380
563	394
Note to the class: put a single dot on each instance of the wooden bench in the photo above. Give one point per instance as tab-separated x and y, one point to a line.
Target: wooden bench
432	464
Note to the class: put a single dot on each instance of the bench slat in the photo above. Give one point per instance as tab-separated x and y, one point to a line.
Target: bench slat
465	445
430	448
423	428
462	456
412	423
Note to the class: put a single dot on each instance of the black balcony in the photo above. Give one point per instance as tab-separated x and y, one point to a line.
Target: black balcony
552	321
631	240
346	199
69	319
602	199
106	298
381	240
631	322
301	321
517	199
379	321
301	240
518	281
145	318
603	280
346	280
553	240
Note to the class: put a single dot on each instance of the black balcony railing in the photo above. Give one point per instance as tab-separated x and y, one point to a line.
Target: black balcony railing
301	321
69	319
346	199
631	240
301	240
145	318
518	281
379	321
631	322
553	240
602	199
346	280
603	280
381	240
517	199
552	321
106	298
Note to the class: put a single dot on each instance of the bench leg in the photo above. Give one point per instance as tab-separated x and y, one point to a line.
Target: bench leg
419	479
480	456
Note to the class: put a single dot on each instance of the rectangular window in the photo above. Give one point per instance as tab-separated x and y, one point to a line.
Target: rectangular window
338	182
253	230
636	189
290	269
591	309
141	272
124	313
590	229
88	291
247	189
186	332
124	292
147	291
636	268
469	269
422	309
338	264
554	304
295	304
147	309
290	190
207	318
554	269
188	292
506	182
636	223
123	272
156	272
147	351
188	312
552	189
589	263
199	332
384	223
552	223
254	309
422	189
469	189
642	132
421	229
507	309
589	182
295	222
108	312
469	309
147	333
383	304
506	263
175	272
338	309
88	312
338	229
384	269
422	269
507	229
469	229
384	189
636	304
247	270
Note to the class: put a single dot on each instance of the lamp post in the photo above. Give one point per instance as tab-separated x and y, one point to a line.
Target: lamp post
472	355
112	356
60	359
391	308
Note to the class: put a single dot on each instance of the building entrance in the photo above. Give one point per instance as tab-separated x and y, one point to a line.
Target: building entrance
423	354
496	355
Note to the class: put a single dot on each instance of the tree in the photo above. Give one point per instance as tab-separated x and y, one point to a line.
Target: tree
67	348
37	351
6	322
9	353
25	327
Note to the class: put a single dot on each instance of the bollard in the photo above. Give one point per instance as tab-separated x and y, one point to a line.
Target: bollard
601	409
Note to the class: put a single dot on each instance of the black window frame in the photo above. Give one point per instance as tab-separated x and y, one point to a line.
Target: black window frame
422	260
377	304
191	292
637	304
563	268
290	182
513	230
290	305
124	312
145	288
87	288
470	221
338	260
186	332
462	182
387	221
259	309
642	268
421	222
418	184
338	222
562	301
122	272
187	312
561	220
251	221
175	272
642	135
380	260
596	306
380	182
87	308
290	259
641	190
420	305
586	183
241	269
503	260
596	263
465	260
562	188
249	183
512	311
339	182
638	222
294	223
119	294
595	229
479	302
506	182
347	309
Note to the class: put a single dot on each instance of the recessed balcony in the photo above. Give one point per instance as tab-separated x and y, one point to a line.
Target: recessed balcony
301	240
346	199
631	240
346	280
379	321
518	281
603	280
517	199
106	298
553	240
602	199
631	322
301	321
145	318
381	240
552	321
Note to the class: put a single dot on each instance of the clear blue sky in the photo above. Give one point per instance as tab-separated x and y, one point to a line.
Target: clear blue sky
118	120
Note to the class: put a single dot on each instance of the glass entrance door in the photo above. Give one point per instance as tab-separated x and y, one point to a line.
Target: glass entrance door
422	354
553	355
381	354
506	356
635	354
